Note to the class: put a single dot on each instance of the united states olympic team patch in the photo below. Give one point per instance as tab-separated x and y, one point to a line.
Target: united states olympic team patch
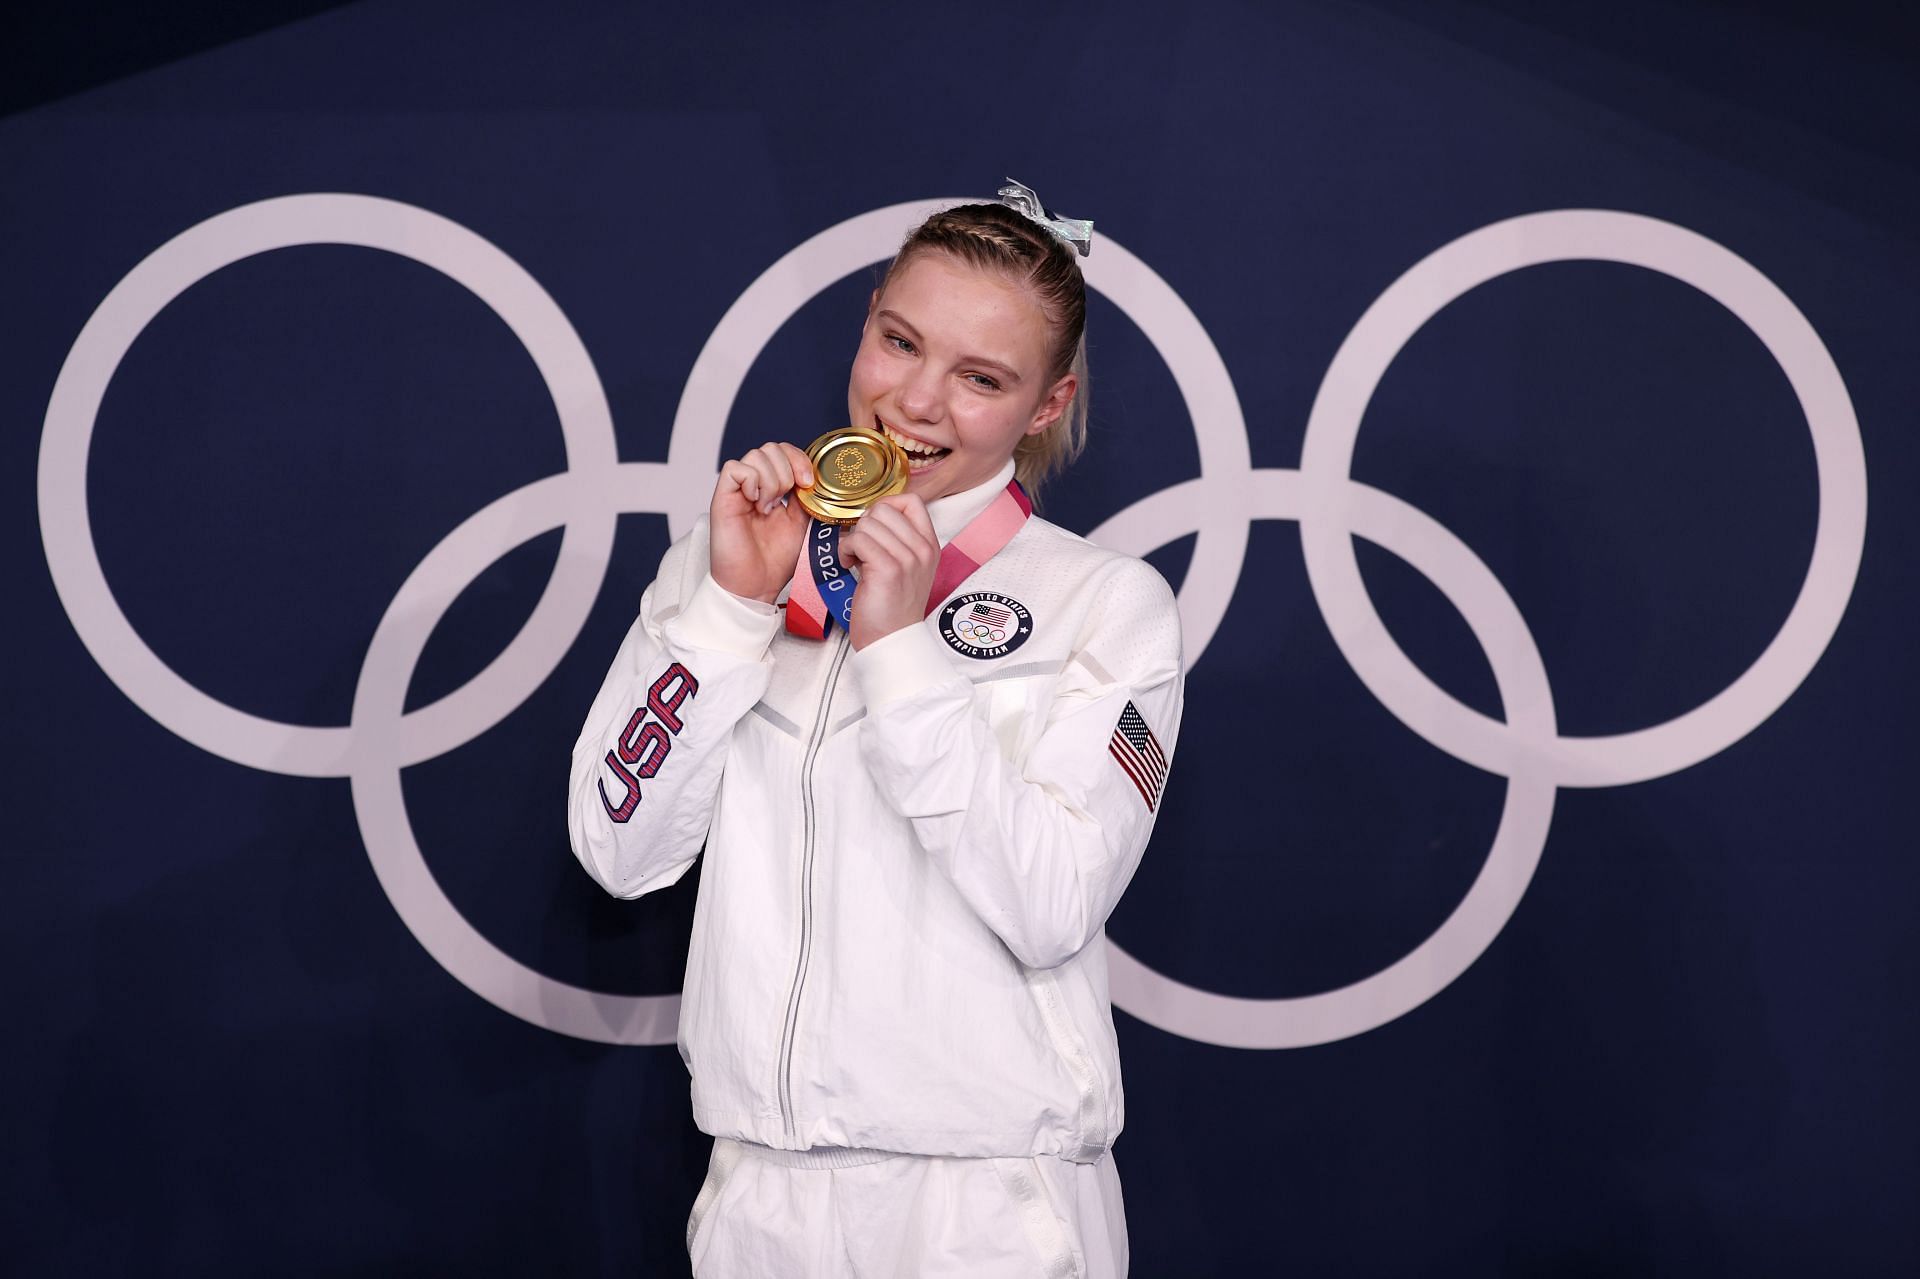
985	625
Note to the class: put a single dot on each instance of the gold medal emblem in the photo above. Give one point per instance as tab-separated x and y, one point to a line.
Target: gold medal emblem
852	469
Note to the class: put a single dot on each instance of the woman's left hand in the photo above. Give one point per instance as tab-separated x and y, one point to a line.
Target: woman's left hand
897	551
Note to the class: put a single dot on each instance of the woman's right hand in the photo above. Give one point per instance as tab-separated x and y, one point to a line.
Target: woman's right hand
755	536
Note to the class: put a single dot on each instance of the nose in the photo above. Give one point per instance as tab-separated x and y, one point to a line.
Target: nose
919	395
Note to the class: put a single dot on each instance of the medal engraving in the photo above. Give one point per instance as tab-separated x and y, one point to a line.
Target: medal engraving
850	470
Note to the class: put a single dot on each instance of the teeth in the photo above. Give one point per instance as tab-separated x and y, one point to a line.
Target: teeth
918	447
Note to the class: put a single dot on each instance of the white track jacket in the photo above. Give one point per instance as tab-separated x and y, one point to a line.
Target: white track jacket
911	851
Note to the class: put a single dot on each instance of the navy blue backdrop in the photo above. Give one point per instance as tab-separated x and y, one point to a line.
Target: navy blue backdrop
1665	1000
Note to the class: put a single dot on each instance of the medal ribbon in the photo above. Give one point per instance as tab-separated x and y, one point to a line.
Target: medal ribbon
822	589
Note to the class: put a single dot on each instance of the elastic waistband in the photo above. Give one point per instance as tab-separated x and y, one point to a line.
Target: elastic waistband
818	1157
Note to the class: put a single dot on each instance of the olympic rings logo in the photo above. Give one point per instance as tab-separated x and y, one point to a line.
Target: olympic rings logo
1525	747
979	632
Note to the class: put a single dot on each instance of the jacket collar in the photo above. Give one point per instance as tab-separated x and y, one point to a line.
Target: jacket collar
955	511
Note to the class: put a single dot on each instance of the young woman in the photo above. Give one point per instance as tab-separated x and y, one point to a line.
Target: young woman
895	1010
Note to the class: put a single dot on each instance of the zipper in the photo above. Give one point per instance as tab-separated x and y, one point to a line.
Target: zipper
809	828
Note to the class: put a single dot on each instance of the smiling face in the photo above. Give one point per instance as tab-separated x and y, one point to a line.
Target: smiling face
954	366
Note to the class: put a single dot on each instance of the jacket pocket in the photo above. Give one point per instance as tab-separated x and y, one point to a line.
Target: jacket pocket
1090	1119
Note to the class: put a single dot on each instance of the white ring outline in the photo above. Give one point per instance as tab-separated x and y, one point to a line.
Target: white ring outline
1422	292
1519	840
586	426
1163	316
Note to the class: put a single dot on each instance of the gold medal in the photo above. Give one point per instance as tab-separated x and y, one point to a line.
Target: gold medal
853	468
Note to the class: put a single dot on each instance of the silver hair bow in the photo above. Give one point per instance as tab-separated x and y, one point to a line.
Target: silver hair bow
1021	198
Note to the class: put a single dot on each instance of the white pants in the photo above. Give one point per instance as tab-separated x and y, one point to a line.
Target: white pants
771	1214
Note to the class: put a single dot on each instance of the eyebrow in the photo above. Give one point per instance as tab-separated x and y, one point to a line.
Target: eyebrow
1007	371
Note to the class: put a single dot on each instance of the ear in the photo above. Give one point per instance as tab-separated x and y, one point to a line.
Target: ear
1055	405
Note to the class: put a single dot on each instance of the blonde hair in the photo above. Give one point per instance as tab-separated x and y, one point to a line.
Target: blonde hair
995	237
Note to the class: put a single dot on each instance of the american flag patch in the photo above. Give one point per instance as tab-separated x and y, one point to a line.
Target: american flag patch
990	615
1139	755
